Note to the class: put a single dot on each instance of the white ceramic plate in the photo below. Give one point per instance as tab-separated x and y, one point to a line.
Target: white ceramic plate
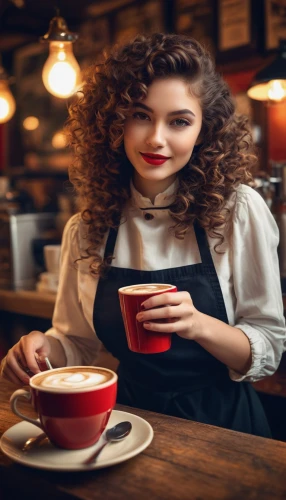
47	456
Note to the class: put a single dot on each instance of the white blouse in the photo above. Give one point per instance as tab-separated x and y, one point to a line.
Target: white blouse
247	270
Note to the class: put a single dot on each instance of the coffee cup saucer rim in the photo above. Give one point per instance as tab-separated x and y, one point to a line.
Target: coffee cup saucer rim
47	457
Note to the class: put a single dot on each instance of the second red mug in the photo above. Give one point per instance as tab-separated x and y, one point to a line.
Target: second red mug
138	338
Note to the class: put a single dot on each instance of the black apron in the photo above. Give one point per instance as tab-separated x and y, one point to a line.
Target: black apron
186	381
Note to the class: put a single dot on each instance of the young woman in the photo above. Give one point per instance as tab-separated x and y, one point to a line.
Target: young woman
162	167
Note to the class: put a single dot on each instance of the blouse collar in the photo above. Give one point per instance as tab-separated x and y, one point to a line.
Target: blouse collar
163	200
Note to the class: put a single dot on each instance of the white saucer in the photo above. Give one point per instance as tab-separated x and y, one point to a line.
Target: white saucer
47	456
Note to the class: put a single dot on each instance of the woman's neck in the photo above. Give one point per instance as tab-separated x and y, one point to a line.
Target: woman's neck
151	189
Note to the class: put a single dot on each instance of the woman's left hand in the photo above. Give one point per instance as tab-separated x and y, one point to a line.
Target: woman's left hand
171	312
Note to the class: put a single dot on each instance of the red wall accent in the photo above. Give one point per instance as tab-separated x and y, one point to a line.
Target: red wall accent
276	113
2	147
239	82
277	131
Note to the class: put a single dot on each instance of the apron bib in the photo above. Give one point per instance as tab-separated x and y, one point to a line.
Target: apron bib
186	381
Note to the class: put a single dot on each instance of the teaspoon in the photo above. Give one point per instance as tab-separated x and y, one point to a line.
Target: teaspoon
116	433
33	442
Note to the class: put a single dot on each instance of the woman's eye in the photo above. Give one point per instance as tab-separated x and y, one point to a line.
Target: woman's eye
140	116
180	122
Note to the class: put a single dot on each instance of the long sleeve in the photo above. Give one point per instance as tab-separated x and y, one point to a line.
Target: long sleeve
256	281
70	324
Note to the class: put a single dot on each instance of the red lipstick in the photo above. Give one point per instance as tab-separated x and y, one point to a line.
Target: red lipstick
154	159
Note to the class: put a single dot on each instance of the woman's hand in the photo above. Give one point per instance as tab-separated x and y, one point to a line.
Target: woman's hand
172	312
22	357
175	312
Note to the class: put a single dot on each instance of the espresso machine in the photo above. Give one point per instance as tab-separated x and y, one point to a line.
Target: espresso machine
277	187
18	233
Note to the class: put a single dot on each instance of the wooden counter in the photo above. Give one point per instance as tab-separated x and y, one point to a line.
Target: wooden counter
30	303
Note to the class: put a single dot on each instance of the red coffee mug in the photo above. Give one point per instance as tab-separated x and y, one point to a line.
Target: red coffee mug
138	338
73	418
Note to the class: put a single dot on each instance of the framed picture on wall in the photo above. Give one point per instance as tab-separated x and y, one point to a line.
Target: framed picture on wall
275	22
138	17
196	18
236	30
234	24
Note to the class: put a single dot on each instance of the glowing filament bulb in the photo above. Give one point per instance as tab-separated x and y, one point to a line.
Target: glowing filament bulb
61	72
7	102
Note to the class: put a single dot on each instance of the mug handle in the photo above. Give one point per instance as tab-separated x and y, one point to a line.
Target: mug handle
22	393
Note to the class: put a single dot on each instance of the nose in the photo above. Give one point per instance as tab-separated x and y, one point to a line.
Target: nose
156	137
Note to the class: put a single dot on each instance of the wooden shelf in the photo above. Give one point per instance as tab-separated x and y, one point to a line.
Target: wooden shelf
30	303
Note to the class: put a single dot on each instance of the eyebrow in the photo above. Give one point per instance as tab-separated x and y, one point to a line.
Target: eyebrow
178	112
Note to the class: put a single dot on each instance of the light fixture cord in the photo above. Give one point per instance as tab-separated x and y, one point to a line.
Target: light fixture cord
57	8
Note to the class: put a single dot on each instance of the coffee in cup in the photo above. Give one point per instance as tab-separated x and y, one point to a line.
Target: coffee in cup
73	403
138	338
72	379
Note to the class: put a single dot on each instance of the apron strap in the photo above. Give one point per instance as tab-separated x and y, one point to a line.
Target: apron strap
111	240
203	245
208	265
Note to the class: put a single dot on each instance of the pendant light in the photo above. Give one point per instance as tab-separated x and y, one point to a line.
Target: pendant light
7	101
61	72
269	84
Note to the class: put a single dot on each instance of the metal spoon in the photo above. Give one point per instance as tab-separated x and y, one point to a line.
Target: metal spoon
116	433
35	441
48	363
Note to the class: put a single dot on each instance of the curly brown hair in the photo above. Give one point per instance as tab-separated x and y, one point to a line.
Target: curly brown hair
101	172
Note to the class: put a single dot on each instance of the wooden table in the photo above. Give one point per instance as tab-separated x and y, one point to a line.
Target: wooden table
185	461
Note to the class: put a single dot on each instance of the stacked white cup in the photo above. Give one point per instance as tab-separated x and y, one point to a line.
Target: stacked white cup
48	281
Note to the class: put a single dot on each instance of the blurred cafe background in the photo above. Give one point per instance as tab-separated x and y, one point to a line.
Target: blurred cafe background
44	46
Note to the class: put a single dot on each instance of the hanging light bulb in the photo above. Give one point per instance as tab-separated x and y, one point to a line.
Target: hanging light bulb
7	101
61	72
277	90
269	84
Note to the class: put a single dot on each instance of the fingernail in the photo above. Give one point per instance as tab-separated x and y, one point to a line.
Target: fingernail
143	306
139	317
146	324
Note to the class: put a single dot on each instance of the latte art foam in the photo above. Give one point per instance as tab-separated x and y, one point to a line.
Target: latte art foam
71	380
142	289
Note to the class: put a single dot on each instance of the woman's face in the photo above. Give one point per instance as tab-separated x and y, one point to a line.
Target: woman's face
160	134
